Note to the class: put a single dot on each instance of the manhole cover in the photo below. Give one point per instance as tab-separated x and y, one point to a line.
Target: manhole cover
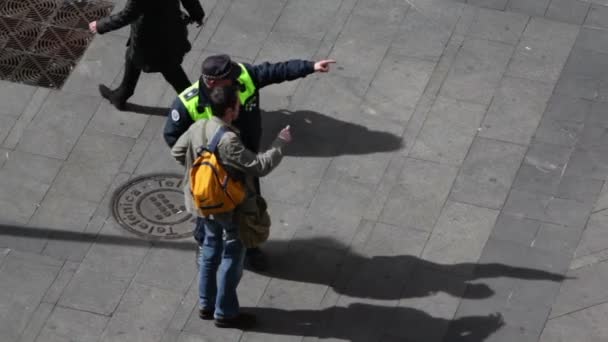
42	40
152	206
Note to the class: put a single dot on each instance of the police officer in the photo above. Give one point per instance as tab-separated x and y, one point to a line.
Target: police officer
219	70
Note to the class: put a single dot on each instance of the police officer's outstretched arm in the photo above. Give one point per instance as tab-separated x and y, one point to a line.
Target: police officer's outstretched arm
271	73
195	10
178	122
129	13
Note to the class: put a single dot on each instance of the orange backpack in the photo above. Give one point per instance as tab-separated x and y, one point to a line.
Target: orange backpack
213	190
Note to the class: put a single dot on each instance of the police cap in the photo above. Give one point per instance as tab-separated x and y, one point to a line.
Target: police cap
219	67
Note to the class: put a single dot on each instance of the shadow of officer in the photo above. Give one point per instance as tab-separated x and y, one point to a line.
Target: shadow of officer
367	322
321	135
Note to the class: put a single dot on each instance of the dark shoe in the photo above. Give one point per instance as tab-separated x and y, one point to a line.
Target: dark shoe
111	96
256	260
206	314
243	321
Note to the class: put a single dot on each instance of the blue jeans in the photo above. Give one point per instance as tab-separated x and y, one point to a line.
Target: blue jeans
220	266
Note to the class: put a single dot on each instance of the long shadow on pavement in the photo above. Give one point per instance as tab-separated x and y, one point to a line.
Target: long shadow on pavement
377	277
367	322
362	281
67	235
347	273
141	109
319	135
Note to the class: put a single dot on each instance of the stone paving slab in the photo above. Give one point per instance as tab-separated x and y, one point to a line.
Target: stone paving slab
460	233
516	110
36	323
542	168
420	37
388	90
585	325
143	314
65	324
445	176
6	124
542	50
37	99
25	279
573	12
419	195
99	64
448	131
15	98
59	123
580	292
534	7
477	70
487	173
497	26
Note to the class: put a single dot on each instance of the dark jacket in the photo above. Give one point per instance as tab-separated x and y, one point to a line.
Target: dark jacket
250	120
159	35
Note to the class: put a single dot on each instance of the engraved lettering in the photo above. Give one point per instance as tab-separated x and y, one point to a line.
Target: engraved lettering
161	215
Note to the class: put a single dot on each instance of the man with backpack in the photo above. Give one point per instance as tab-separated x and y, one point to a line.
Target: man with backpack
217	167
219	70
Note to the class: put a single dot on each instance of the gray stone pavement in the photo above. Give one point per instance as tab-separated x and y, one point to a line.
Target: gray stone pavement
447	182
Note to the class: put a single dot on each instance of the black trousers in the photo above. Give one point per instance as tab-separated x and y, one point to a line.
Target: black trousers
250	125
173	74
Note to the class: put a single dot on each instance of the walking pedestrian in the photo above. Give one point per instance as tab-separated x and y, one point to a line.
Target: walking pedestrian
158	42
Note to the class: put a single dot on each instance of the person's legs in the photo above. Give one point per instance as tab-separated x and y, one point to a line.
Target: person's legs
129	81
176	77
119	96
229	273
209	261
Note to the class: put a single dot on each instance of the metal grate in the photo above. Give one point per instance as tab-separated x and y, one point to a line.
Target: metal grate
42	40
78	14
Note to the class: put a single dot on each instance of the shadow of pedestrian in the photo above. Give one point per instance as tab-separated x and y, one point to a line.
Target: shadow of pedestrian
318	135
385	277
141	109
68	235
366	322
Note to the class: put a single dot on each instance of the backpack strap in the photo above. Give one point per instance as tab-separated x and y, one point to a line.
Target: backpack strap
216	139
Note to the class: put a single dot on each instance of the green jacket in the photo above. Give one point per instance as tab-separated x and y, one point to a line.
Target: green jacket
230	150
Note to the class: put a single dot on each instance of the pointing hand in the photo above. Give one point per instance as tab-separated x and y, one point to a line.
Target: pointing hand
323	65
285	134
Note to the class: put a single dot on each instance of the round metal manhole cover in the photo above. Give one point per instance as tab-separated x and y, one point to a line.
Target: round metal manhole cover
152	206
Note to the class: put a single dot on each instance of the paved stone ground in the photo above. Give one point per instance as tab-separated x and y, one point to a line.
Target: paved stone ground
447	182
